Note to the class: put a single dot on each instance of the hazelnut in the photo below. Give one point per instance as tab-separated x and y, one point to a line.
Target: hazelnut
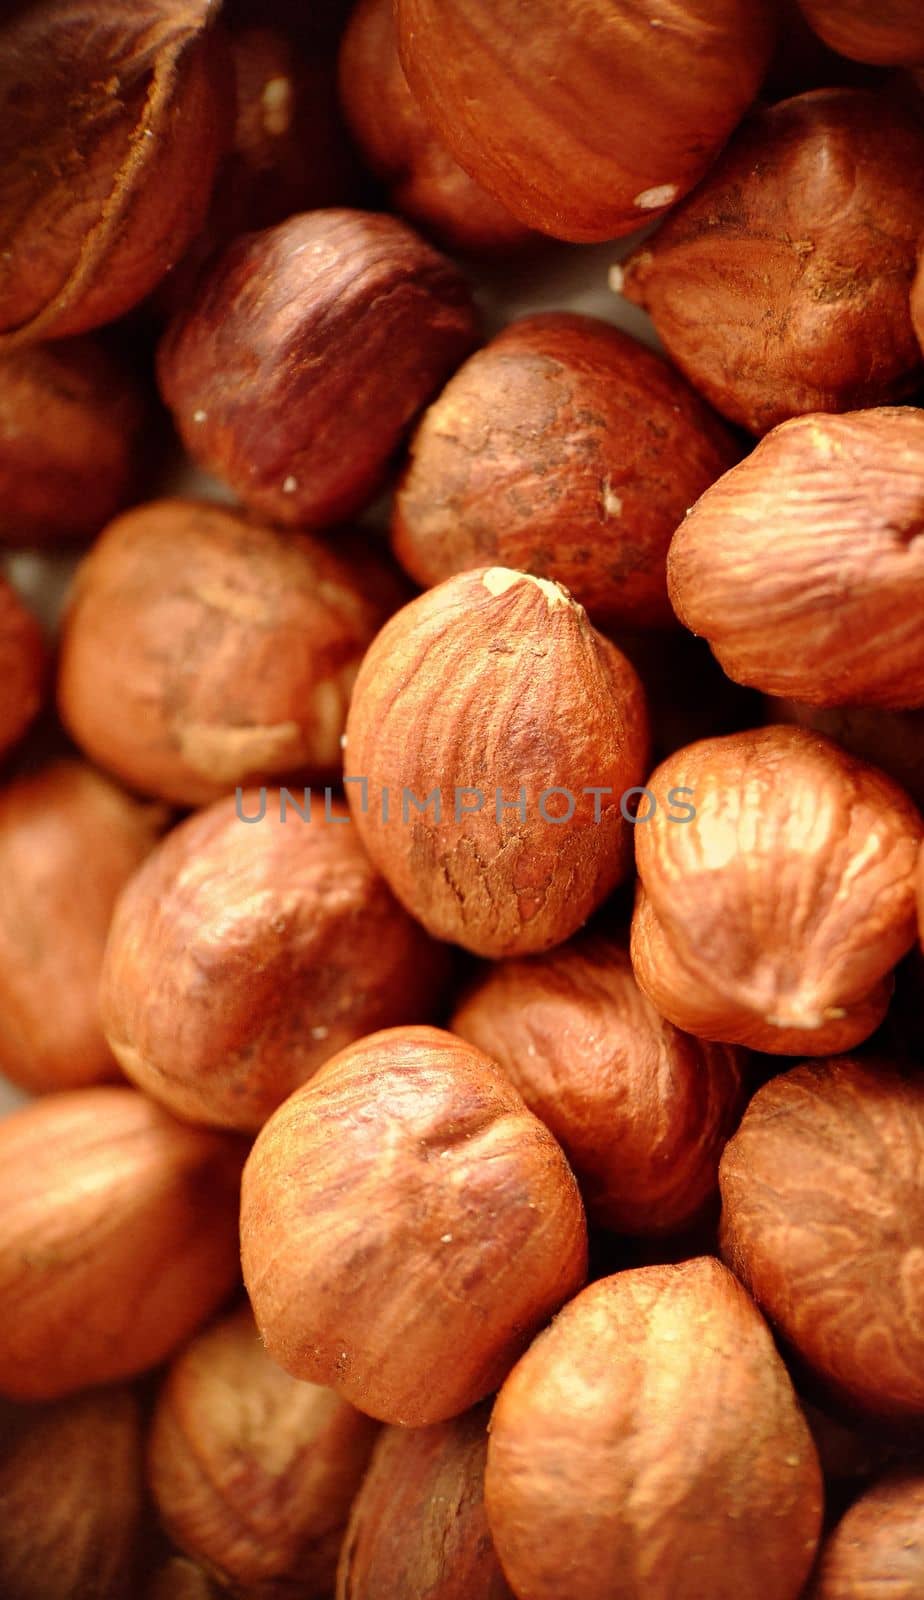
492	700
22	667
877	1548
892	740
200	651
71	1498
564	449
305	355
241	958
113	119
418	1529
781	286
69	840
578	115
890	34
806	552
917	301
118	1238
774	917
253	1472
407	1226
823	1218
649	1444
641	1110
179	1579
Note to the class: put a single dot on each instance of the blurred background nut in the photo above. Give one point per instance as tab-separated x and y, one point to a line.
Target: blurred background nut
877	1548
890	33
22	667
917	302
179	1579
892	740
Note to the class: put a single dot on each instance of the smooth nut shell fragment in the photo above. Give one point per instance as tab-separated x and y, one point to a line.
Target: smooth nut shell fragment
889	33
877	1548
22	667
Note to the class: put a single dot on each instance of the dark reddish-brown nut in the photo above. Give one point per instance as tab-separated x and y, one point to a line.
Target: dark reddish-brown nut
69	841
920	888
584	119
179	1579
118	1238
802	62
773	917
781	286
201	651
641	1110
407	1226
305	355
418	1529
804	566
877	1549
565	449
71	1498
889	33
501	735
892	740
22	667
917	302
250	948
253	1473
649	1445
113	120
400	147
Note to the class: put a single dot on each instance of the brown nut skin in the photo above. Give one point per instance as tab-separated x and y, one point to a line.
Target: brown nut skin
804	567
877	1549
496	681
305	355
781	286
418	1529
641	1110
917	302
71	1498
118	1238
246	953
584	119
566	449
888	34
823	1217
891	740
108	161
649	1446
774	917
253	1473
407	1226
69	842
179	1579
22	667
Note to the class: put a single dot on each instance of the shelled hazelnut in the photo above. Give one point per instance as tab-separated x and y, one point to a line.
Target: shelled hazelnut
565	449
250	948
22	667
781	286
891	740
878	1546
406	1226
891	33
649	1444
305	355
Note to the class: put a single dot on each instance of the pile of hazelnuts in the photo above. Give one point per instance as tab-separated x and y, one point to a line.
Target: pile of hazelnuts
461	865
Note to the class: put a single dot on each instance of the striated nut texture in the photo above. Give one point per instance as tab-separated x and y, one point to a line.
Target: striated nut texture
876	1552
407	1226
22	667
564	449
649	1446
306	353
889	33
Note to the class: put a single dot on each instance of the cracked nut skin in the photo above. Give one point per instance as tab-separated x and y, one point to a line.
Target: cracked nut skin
649	1446
407	1225
804	566
496	682
781	286
118	1238
773	919
564	449
22	667
823	1221
586	118
108	159
253	1472
418	1529
889	34
241	958
877	1548
201	651
306	353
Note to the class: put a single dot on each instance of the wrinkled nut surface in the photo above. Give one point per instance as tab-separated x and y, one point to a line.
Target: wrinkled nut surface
495	686
649	1445
305	354
406	1226
253	1472
69	841
781	286
246	953
584	117
22	667
775	916
564	449
107	162
201	651
641	1110
804	566
890	33
823	1220
877	1548
118	1237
